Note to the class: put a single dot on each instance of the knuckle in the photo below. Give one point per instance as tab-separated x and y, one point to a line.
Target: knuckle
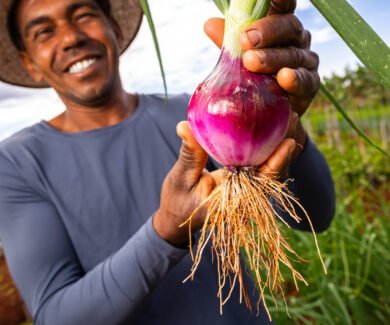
294	118
267	169
296	25
185	154
306	83
316	82
315	59
189	157
274	31
306	39
173	183
206	186
282	6
299	104
276	6
296	56
302	104
310	85
268	60
292	5
271	56
187	166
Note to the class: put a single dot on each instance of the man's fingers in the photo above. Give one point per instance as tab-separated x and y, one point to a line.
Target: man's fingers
280	159
278	7
292	125
219	176
192	158
267	32
272	60
183	130
214	28
272	31
301	84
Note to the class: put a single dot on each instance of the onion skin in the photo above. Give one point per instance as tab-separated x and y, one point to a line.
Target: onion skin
237	116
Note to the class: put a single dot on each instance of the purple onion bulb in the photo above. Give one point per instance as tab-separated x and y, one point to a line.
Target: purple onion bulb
237	116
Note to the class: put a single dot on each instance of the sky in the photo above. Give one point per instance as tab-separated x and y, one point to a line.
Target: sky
188	56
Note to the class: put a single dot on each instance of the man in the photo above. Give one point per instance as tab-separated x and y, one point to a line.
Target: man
90	201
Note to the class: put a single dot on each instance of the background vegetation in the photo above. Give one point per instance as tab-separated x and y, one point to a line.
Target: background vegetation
356	247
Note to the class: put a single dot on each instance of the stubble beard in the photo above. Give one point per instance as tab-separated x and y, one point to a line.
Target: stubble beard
94	98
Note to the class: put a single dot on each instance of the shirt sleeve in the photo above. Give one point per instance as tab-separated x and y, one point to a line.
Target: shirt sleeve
312	184
46	269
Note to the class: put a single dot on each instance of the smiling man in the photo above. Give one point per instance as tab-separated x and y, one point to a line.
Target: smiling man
82	75
91	201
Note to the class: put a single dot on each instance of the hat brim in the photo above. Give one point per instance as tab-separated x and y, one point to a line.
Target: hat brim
127	13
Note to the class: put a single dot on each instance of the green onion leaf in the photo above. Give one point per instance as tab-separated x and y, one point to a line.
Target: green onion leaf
358	35
223	5
261	9
349	120
148	14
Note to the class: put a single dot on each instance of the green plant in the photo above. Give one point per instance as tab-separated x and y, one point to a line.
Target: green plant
358	35
357	288
355	249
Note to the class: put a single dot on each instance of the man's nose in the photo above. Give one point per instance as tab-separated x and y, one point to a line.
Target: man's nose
71	37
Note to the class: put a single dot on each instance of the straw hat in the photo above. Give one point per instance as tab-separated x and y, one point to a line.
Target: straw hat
127	13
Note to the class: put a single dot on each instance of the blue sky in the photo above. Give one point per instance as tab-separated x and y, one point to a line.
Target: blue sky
188	55
334	54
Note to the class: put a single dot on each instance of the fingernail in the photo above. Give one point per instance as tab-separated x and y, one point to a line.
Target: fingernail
254	37
297	77
261	56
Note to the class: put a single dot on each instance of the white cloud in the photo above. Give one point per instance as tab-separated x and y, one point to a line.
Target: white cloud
322	35
187	53
304	4
188	57
17	113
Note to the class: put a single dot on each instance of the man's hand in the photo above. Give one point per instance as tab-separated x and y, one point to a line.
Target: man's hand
185	187
278	44
188	183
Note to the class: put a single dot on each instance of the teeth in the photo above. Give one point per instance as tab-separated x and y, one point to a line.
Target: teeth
80	66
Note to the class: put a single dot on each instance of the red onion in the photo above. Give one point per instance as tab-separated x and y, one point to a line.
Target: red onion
237	116
240	118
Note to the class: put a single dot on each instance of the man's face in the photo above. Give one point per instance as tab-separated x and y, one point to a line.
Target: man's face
72	46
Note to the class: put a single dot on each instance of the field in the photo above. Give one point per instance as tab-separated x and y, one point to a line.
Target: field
355	249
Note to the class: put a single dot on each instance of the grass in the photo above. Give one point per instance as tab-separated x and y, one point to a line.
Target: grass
356	247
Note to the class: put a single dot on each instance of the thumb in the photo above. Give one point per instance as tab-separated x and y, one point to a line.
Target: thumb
279	161
214	29
192	159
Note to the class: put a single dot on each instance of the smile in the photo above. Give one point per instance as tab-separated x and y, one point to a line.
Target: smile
81	66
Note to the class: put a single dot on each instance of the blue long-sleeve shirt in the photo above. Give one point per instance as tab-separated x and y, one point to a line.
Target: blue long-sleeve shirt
76	223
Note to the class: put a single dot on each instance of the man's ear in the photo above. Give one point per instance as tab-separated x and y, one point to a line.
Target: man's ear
30	66
117	30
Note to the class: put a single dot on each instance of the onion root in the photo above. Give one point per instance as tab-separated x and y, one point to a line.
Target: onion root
242	220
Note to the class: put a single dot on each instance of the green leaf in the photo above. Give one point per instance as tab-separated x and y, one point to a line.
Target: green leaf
339	301
349	120
358	35
223	5
148	14
260	9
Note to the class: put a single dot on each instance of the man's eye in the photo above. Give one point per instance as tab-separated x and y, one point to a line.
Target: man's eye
85	16
43	32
